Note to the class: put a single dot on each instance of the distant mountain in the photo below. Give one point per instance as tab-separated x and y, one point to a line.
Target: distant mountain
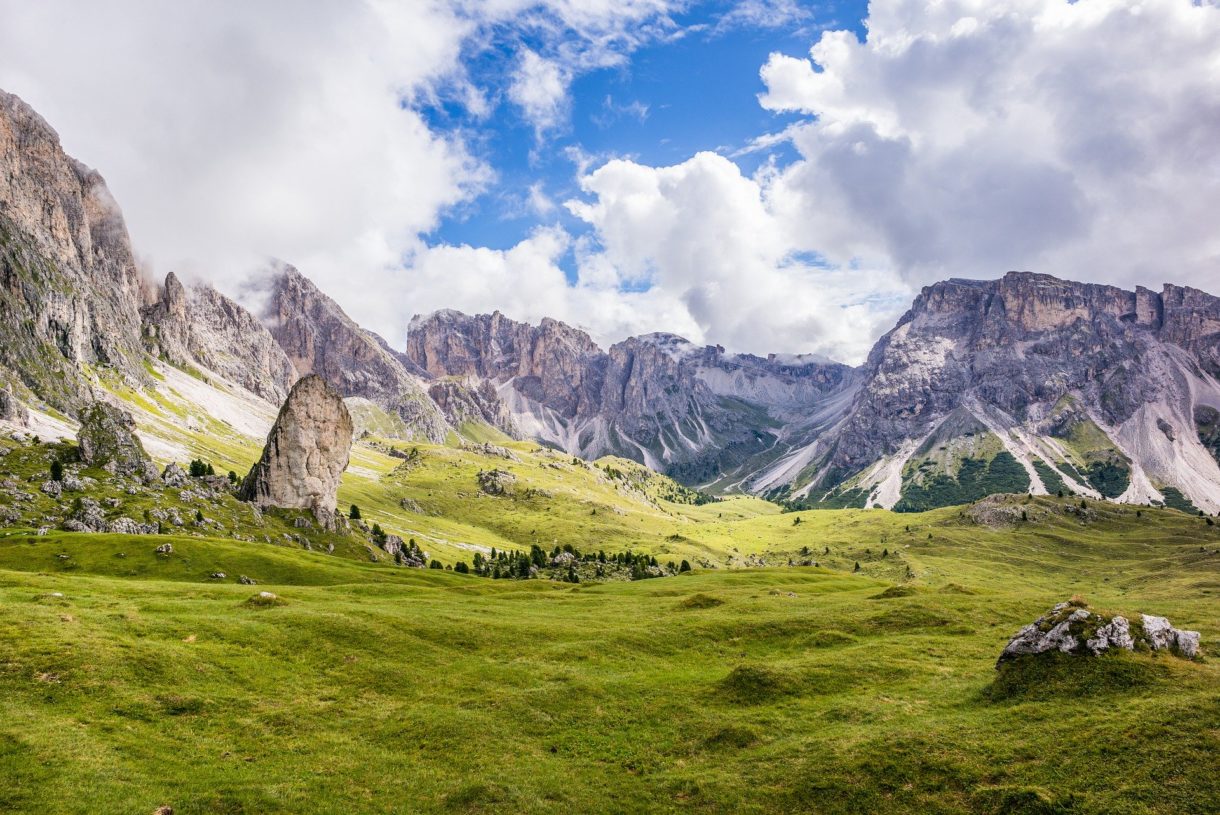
320	338
698	413
1027	383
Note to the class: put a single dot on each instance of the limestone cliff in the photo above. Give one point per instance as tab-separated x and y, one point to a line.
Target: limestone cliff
69	288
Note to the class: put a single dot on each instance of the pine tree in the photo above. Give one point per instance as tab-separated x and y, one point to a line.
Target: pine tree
857	567
684	567
354	513
57	471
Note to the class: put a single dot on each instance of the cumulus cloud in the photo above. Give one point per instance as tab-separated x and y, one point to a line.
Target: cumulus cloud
706	236
967	138
232	132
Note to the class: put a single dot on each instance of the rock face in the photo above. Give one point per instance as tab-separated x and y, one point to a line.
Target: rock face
69	288
306	453
465	400
319	338
107	439
1071	628
200	326
1088	388
698	413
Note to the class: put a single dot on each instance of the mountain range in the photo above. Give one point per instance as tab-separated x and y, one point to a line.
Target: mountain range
1022	384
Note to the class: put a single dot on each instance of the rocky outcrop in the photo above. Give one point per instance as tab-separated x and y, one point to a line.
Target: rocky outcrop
306	453
200	326
552	363
69	288
11	410
496	482
319	338
1071	628
107	439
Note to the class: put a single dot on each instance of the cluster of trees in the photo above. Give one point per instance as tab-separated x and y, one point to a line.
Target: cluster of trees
520	565
199	468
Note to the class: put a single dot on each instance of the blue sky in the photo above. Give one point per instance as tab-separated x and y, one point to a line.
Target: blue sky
694	90
389	150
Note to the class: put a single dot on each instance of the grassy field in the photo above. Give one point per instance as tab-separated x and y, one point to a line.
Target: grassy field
369	688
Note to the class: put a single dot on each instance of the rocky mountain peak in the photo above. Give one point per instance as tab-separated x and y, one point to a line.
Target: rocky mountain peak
199	326
319	337
67	271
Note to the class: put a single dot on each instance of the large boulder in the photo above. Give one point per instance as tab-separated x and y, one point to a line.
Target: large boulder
306	453
1071	628
107	439
12	410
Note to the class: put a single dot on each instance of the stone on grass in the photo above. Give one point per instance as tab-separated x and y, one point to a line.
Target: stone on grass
1071	628
306	453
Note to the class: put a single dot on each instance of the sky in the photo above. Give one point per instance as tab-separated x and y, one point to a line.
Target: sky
768	175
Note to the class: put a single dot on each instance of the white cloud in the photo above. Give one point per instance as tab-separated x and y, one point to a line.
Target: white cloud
540	88
231	132
966	137
763	14
704	236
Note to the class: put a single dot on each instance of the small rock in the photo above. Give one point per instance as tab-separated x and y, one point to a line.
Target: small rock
218	575
1065	628
246	581
174	476
164	549
496	482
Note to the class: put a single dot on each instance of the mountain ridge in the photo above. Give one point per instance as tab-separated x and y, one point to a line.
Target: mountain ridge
1025	383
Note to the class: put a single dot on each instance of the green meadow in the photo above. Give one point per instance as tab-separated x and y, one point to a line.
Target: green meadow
132	680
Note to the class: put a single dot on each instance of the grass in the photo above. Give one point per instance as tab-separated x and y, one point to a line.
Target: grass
133	680
369	688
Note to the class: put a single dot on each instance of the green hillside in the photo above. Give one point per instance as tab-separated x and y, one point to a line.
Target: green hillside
133	680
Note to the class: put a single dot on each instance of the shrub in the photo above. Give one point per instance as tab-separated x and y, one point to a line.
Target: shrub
232	477
354	513
460	567
57	471
684	567
857	567
435	564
